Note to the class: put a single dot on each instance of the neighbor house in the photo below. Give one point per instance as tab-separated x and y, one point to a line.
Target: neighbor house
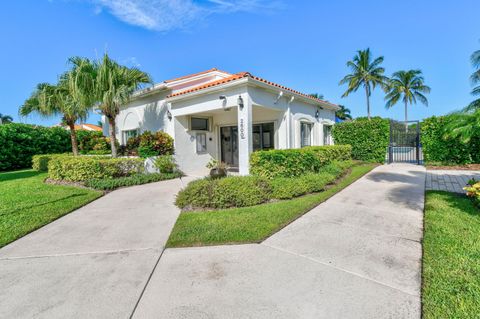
215	114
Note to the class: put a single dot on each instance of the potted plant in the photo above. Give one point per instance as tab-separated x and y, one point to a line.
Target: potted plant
218	169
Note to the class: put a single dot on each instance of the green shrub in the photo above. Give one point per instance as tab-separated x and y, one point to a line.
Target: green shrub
437	147
288	187
233	191
146	151
81	168
40	162
166	164
296	162
19	142
369	138
138	179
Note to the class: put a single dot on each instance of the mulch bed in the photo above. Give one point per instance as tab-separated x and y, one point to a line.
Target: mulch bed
466	167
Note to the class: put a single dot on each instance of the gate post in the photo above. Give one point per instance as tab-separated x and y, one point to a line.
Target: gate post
417	142
390	150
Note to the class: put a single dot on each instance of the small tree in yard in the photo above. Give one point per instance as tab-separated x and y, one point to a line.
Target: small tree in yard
114	85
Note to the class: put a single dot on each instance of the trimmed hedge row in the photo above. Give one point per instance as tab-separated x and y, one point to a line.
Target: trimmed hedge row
242	191
138	179
19	142
40	162
82	168
296	162
439	148
369	138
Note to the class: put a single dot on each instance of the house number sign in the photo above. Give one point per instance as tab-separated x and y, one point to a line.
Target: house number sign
242	129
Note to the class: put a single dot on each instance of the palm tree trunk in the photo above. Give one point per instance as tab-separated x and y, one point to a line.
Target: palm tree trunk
368	101
406	117
73	138
111	131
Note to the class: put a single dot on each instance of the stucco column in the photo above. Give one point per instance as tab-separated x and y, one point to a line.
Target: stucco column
245	145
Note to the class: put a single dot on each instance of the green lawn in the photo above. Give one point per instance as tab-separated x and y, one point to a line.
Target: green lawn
250	224
26	203
451	261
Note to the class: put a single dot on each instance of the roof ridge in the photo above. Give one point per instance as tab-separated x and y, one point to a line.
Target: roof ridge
194	74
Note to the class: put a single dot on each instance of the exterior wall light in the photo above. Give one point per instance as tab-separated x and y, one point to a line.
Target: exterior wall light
169	115
317	114
240	102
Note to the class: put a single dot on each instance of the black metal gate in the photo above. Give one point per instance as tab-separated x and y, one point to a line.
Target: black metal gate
405	144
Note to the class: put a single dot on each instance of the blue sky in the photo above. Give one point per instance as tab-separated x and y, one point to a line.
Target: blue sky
300	44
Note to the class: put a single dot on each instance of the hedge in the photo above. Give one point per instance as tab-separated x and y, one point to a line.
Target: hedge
93	142
138	179
40	162
242	191
296	162
149	144
81	168
19	142
369	138
439	148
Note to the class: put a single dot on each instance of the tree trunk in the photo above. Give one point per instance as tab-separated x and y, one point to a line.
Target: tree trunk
368	101
406	117
73	138
111	131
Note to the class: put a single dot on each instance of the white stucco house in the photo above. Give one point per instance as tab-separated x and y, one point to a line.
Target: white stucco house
215	114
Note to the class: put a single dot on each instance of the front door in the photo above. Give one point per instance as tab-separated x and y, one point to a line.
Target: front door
229	145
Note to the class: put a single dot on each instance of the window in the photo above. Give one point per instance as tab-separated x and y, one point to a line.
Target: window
327	135
263	136
128	134
305	134
199	124
201	143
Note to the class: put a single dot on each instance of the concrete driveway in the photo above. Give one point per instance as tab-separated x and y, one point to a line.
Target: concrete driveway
92	263
358	255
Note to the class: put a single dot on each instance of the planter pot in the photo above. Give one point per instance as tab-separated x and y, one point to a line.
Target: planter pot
218	172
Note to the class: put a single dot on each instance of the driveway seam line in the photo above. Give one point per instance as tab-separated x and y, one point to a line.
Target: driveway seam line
78	254
146	284
341	269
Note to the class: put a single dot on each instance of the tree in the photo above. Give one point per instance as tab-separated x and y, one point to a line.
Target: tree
114	85
343	113
67	98
409	86
365	73
317	96
475	79
5	119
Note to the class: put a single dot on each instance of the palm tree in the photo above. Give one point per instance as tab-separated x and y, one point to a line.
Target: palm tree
343	113
317	96
475	78
408	86
364	73
114	85
5	119
67	98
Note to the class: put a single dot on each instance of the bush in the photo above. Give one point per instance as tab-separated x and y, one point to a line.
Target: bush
149	144
296	162
437	147
146	151
19	142
233	191
166	164
369	138
40	162
473	191
81	168
138	179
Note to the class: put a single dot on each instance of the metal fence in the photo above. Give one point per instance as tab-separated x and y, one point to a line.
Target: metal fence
405	146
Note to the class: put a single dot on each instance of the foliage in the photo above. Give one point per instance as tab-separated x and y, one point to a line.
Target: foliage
343	113
5	119
451	249
93	142
475	79
150	144
166	163
296	162
250	224
407	86
40	162
81	168
232	191
19	142
27	203
369	139
440	145
365	73
138	179
473	190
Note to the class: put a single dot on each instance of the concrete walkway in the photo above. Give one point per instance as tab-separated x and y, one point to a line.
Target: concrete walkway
92	263
358	255
450	180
